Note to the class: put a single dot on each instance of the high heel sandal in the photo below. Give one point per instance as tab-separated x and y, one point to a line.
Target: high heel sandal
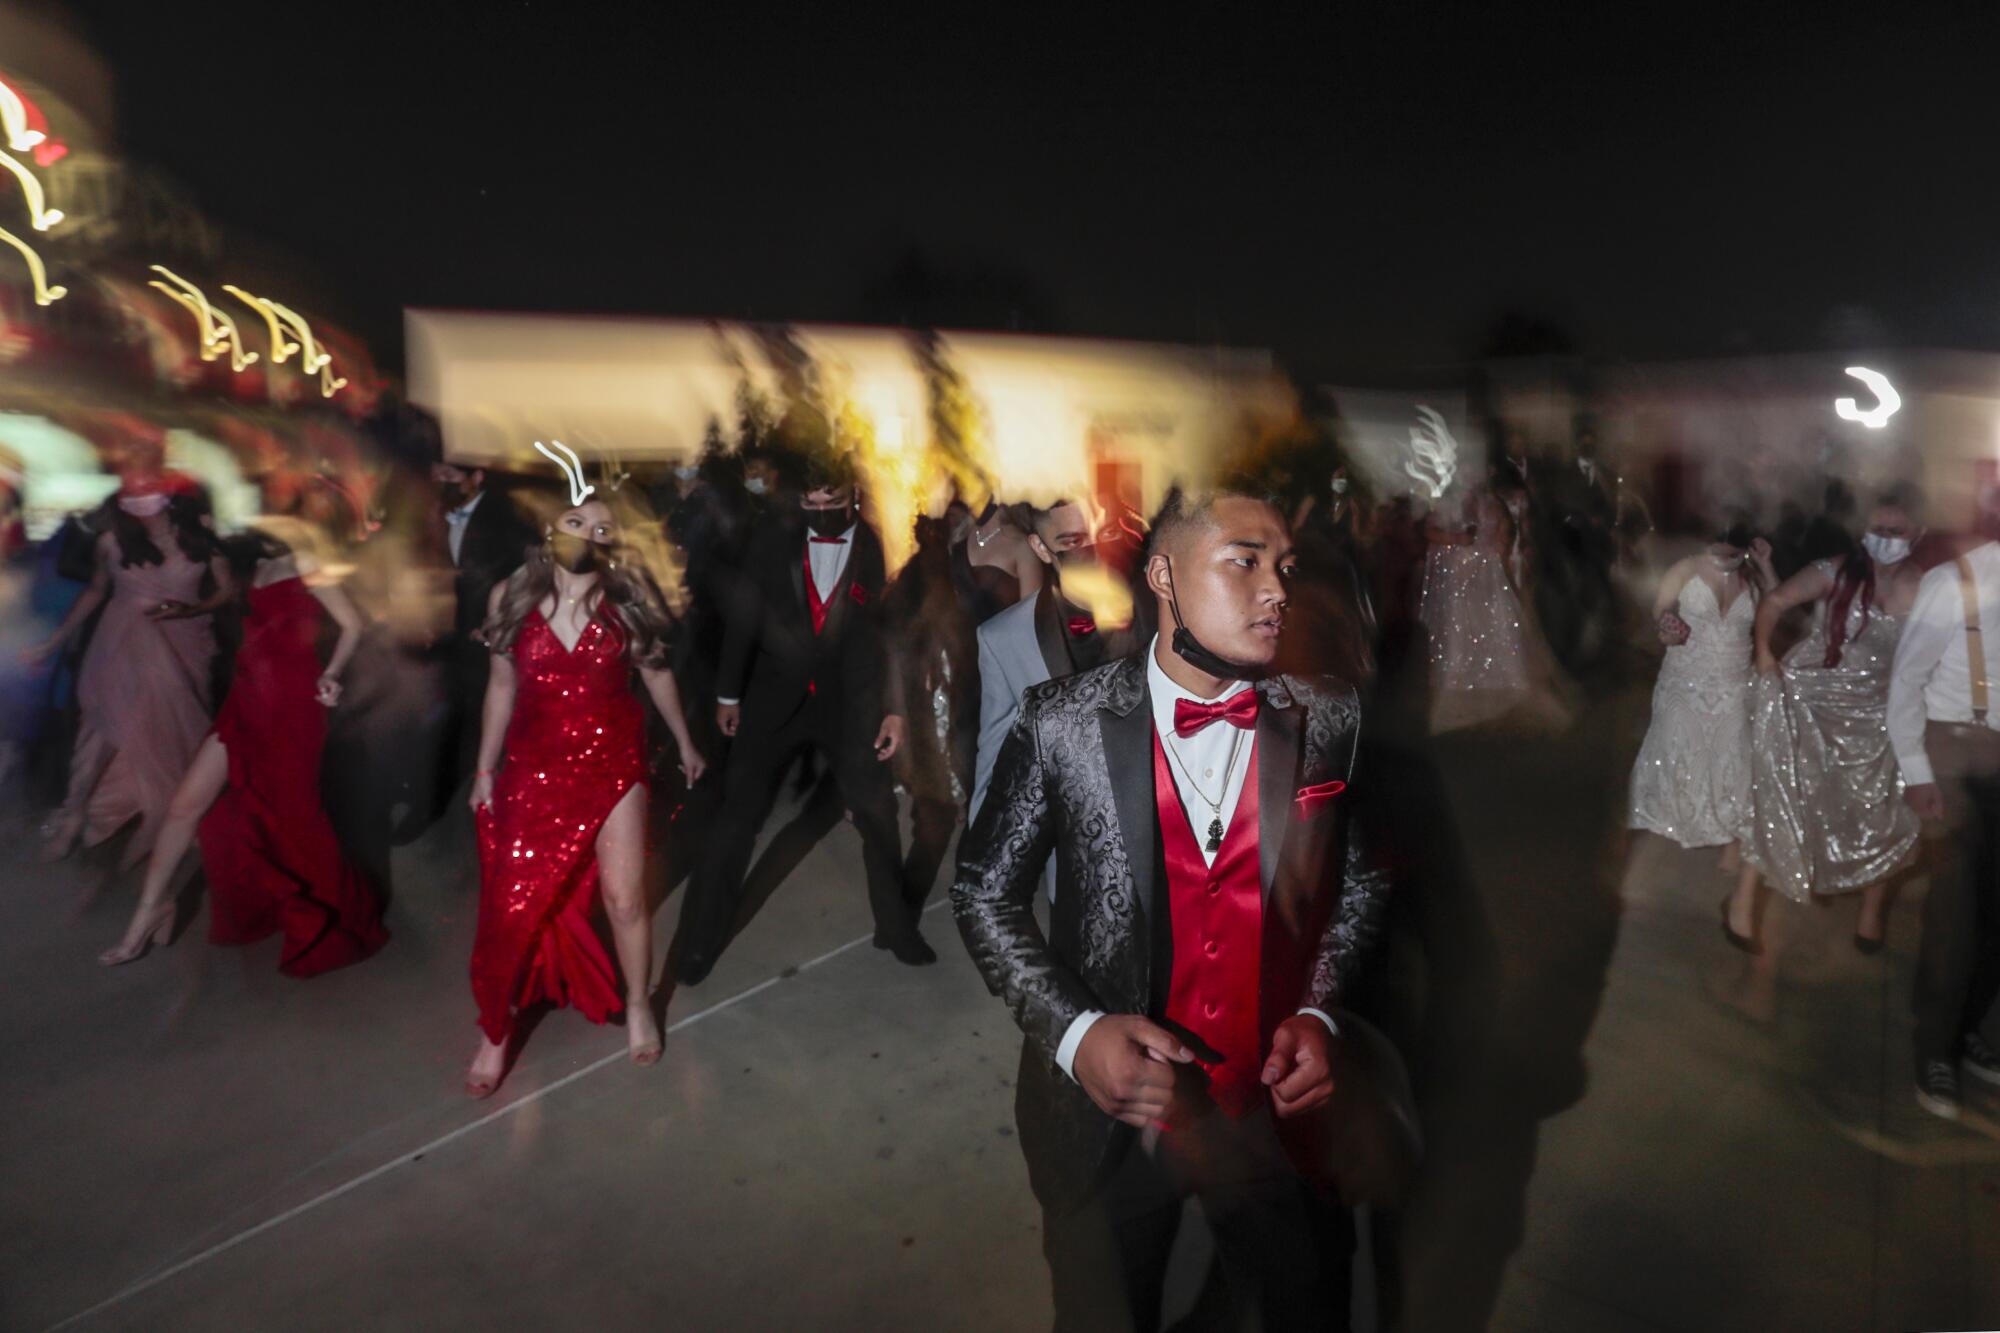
59	838
1748	944
160	932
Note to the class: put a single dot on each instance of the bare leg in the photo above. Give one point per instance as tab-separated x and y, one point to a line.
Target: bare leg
1873	924
1732	858
153	917
1743	903
621	865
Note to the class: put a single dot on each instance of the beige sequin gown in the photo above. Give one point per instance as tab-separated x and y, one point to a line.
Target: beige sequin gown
1826	810
1691	783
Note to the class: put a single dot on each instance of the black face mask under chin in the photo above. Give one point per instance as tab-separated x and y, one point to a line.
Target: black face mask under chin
574	554
1194	654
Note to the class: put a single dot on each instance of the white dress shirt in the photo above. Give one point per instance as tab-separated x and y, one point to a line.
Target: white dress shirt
455	521
828	561
1930	681
1204	756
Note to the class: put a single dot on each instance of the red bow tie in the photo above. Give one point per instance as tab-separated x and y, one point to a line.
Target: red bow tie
1240	709
1082	625
830	541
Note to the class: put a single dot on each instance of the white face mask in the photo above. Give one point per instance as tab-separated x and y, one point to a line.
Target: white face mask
144	506
1886	550
1340	485
684	473
754	485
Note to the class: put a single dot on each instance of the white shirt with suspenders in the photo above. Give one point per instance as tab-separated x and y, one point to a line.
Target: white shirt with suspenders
1946	657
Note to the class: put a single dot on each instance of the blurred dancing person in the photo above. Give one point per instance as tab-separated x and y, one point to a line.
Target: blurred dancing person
1486	658
995	567
1691	783
1946	735
1826	811
1212	906
485	539
804	670
1046	636
565	814
144	686
933	658
273	863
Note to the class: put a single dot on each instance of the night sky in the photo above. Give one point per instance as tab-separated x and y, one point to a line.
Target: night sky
1362	193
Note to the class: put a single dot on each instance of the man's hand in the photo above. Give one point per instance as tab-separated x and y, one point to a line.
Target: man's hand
890	738
1125	1063
1673	630
728	717
1300	1070
1926	799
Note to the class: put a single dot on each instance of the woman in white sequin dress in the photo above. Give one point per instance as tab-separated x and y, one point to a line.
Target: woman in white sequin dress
1827	814
1691	783
1487	660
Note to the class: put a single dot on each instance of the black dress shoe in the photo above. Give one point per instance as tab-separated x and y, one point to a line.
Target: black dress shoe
910	948
692	969
1937	1088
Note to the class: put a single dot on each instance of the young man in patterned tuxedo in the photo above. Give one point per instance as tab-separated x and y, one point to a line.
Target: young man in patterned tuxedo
1180	1013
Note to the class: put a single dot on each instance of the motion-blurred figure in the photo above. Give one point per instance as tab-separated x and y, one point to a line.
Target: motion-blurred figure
1487	657
145	683
1691	782
485	540
253	791
1946	735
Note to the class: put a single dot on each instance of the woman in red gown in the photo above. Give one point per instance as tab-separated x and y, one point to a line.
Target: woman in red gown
566	814
273	862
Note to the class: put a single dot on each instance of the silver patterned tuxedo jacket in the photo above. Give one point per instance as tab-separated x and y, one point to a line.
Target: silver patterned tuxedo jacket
1075	778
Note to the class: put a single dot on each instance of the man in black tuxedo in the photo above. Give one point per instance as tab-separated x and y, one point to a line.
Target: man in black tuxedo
485	540
804	667
1211	905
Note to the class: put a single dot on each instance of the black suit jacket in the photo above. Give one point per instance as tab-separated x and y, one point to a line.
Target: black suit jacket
496	540
1075	777
770	653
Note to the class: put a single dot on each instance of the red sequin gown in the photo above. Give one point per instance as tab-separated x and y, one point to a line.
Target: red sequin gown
575	746
273	861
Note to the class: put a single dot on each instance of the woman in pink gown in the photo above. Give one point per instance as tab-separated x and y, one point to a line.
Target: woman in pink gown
273	863
143	691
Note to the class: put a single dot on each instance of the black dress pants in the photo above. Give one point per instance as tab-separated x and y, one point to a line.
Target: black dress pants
758	762
1958	962
1282	1247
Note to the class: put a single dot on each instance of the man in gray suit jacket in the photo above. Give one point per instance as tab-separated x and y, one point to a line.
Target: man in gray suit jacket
1039	638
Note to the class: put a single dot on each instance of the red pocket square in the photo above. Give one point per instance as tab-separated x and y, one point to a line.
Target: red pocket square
858	593
1312	798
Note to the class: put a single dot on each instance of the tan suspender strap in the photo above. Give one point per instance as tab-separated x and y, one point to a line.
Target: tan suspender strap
1975	644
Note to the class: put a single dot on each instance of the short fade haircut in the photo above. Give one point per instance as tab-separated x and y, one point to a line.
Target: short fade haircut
1187	512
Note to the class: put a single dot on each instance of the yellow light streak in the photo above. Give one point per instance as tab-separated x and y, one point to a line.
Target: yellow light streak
218	332
39	213
281	346
44	293
14	117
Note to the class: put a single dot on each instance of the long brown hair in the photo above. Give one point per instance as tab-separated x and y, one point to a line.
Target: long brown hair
624	584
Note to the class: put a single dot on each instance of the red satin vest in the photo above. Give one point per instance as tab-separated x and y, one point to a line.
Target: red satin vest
1217	915
813	602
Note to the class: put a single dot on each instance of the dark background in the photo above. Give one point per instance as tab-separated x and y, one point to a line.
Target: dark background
1390	187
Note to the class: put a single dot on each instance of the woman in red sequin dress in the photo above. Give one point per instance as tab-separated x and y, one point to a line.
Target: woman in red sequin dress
565	814
252	793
